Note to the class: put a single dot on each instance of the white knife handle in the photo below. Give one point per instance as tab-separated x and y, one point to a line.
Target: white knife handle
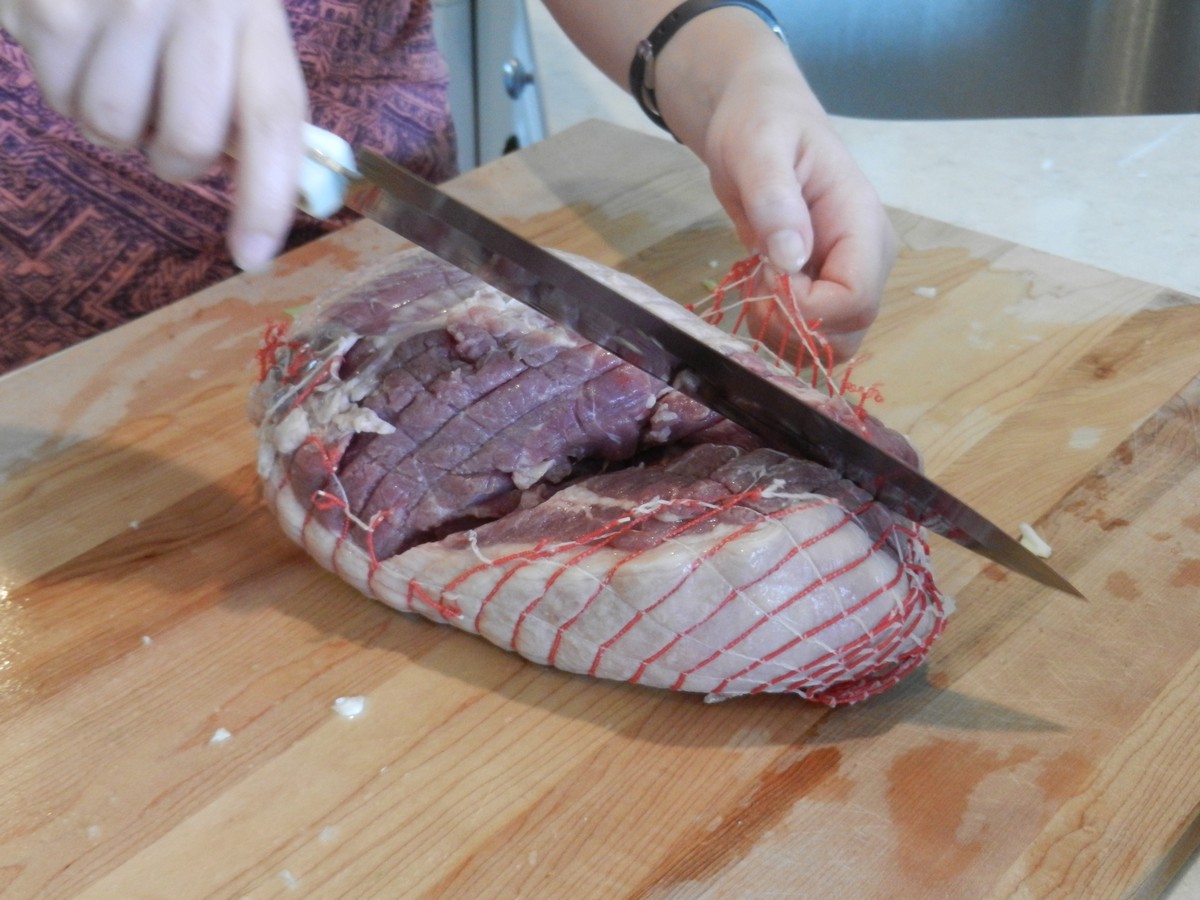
325	172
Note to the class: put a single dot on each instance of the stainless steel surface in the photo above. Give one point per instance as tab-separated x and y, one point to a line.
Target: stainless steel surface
928	59
495	99
412	207
516	77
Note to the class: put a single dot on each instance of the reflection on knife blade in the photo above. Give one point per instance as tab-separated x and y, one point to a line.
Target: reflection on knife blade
430	218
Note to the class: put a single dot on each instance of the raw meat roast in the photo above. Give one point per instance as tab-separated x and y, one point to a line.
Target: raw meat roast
452	453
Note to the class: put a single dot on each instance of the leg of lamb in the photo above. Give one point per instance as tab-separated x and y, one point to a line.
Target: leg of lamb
452	453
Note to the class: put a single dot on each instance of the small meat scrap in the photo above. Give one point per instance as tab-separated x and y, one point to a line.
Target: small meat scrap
349	707
1034	542
220	736
449	451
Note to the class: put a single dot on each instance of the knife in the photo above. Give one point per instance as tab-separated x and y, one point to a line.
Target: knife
333	175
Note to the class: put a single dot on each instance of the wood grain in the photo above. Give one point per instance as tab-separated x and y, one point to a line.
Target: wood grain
147	600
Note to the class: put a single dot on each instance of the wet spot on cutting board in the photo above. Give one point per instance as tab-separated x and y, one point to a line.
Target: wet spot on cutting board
1110	524
315	252
995	572
1122	586
701	852
929	794
1188	574
1062	775
1092	491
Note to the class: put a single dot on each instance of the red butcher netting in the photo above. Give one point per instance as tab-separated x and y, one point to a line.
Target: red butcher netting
455	454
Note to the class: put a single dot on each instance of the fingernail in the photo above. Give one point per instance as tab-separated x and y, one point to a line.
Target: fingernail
175	169
254	252
787	251
104	143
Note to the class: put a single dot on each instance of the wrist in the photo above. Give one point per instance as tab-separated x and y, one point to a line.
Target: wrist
708	57
643	67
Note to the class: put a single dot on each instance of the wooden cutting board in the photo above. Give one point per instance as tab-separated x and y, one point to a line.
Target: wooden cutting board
1050	747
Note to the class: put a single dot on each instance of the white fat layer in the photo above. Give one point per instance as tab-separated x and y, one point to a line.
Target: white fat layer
361	420
526	477
292	431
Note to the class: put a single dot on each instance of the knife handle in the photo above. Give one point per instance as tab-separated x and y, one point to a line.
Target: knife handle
325	172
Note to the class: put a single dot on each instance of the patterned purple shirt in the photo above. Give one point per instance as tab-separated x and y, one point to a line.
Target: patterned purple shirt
90	239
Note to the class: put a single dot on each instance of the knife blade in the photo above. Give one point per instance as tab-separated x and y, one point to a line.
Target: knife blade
430	218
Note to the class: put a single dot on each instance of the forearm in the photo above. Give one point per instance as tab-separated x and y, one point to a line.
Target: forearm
698	64
608	31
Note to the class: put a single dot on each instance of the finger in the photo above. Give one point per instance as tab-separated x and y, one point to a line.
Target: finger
56	36
770	192
845	293
195	102
844	320
727	195
270	109
117	84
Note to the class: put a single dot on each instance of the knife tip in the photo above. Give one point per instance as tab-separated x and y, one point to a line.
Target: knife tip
1067	588
1047	575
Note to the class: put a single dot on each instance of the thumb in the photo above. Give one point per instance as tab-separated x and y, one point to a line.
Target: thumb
771	198
788	249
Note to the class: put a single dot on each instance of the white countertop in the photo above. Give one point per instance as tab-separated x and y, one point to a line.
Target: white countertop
1118	193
